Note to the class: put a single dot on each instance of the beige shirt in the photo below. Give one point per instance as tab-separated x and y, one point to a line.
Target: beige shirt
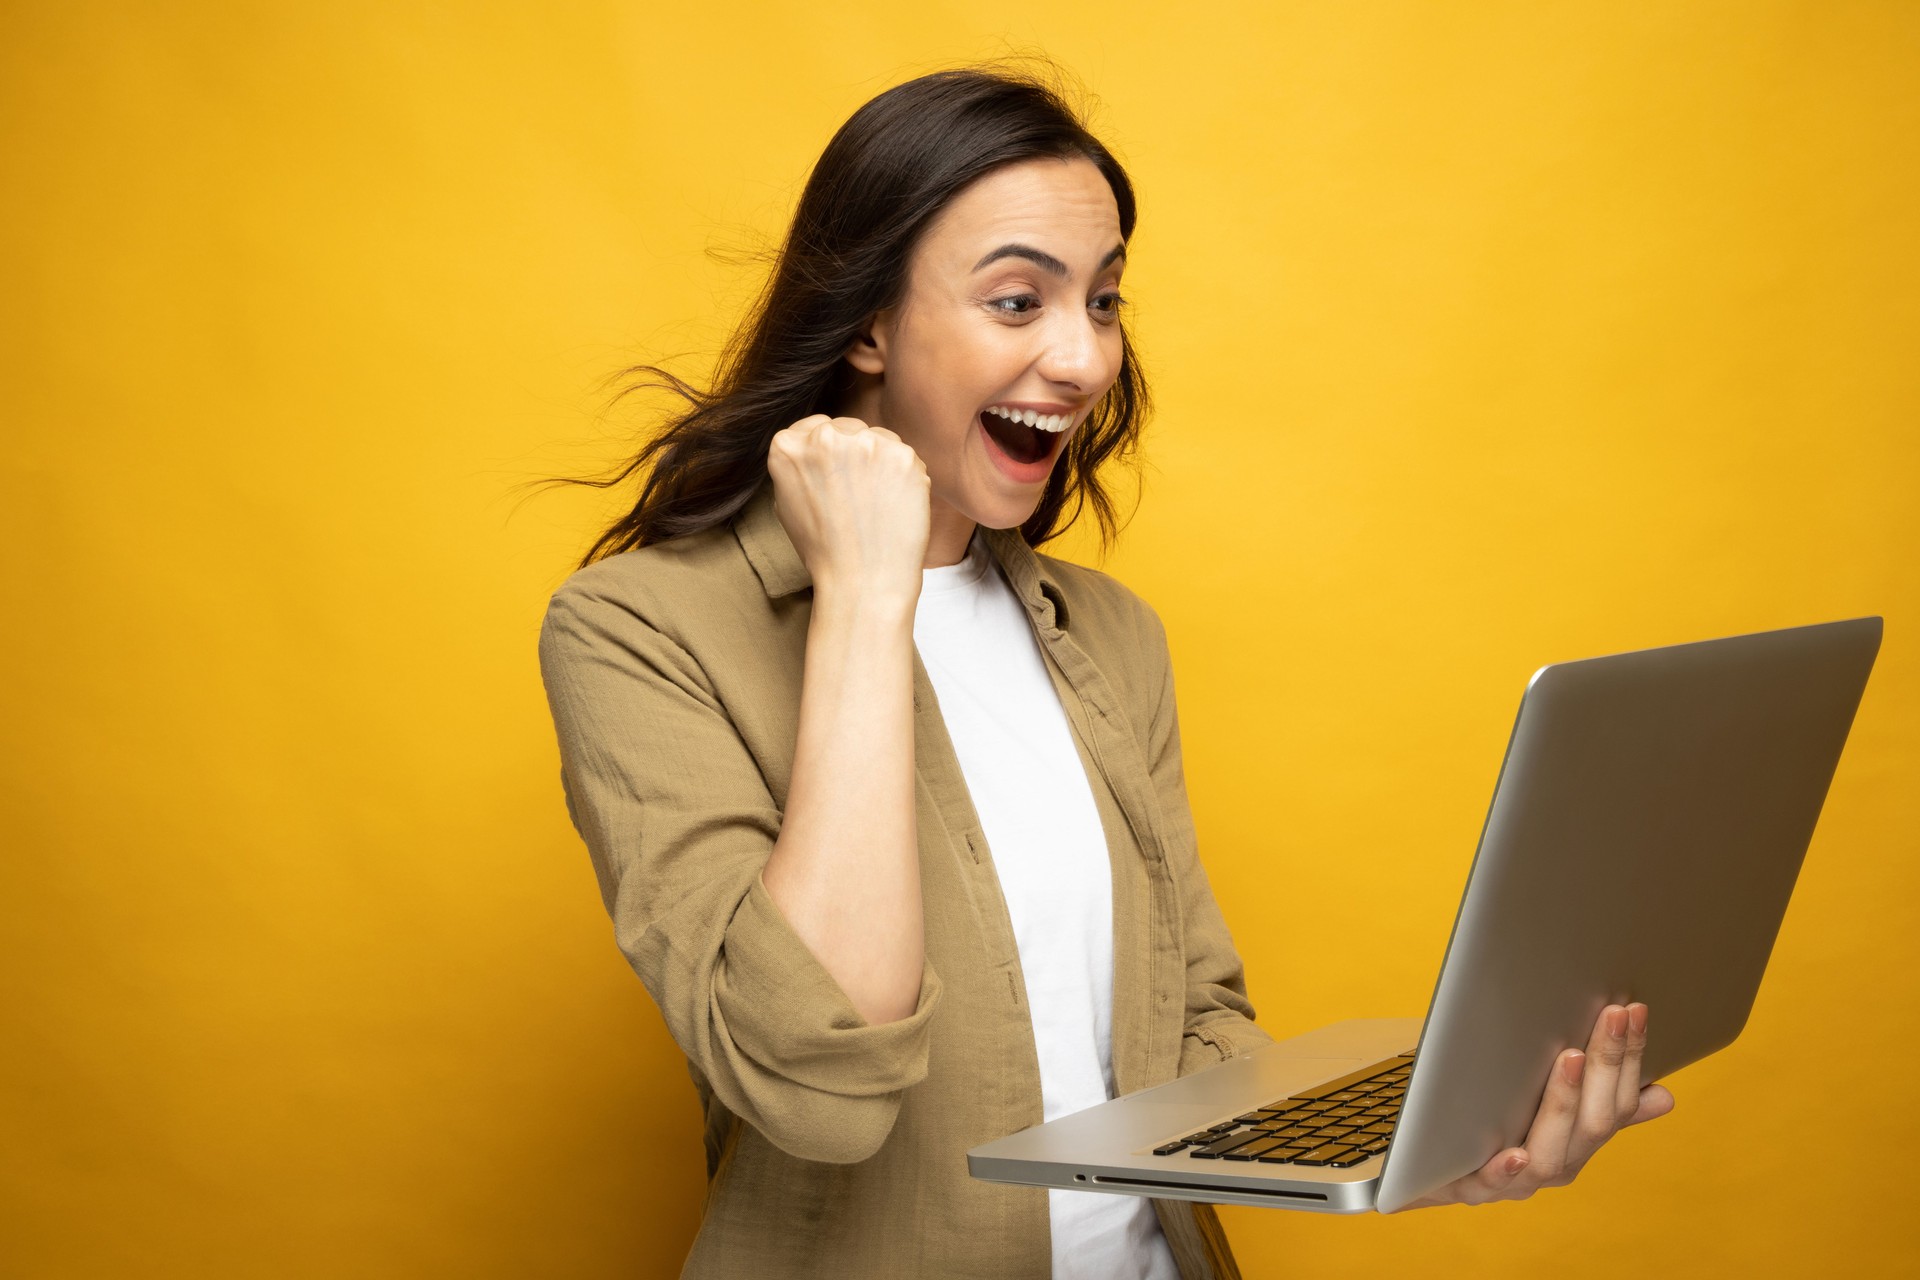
834	1147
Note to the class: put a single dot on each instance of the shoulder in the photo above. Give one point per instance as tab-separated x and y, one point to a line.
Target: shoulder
680	588
661	571
1099	603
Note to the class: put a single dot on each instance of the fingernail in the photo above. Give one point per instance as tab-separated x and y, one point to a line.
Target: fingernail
1637	1016
1617	1024
1515	1163
1576	1066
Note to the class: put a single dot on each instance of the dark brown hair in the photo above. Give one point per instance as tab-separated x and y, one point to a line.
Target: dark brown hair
878	185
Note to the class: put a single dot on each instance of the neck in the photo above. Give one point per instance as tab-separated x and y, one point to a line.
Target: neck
947	537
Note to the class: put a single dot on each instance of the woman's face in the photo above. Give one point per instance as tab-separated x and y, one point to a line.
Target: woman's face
1012	303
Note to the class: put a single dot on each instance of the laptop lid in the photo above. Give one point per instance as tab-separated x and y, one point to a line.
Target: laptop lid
1649	821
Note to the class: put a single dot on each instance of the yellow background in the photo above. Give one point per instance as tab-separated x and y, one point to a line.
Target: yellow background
1484	335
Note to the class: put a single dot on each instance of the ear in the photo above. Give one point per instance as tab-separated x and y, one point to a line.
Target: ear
868	350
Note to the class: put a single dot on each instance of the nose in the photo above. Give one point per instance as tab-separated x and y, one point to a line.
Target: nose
1080	353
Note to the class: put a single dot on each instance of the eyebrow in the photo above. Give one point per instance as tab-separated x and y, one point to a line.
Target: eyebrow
1045	261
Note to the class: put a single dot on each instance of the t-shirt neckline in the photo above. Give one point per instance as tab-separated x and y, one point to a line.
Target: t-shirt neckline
966	574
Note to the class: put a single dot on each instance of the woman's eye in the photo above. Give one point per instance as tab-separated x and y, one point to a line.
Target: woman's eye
1107	306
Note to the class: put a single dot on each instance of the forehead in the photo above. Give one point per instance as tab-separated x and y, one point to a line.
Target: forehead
1062	206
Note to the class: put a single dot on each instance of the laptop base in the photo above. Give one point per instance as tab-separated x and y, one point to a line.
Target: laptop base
1109	1148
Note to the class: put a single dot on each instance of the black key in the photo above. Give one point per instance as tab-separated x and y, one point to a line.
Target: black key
1332	1087
1251	1117
1382	1111
1226	1126
1254	1150
1297	1131
1214	1150
1326	1155
1282	1107
1170	1148
1350	1159
1205	1135
1379	1130
1283	1155
1344	1111
1375	1147
1345	1095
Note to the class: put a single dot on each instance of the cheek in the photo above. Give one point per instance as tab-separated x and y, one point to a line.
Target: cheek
1116	354
943	359
961	375
933	407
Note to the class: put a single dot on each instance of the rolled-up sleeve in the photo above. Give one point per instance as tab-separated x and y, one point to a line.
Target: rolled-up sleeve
1219	1019
679	823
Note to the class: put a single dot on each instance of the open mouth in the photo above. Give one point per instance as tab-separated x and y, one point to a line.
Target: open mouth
1024	444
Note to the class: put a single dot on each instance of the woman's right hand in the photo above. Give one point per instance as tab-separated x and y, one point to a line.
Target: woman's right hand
845	868
856	501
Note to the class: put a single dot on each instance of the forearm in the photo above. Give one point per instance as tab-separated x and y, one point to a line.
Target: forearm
845	870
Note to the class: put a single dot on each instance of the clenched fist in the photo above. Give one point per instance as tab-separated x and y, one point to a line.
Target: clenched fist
856	501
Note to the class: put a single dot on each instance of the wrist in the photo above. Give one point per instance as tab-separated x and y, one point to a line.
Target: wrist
866	605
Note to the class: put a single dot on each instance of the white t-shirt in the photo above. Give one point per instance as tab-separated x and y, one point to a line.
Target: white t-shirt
1036	807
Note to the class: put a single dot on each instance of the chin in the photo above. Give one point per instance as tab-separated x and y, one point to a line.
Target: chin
1006	515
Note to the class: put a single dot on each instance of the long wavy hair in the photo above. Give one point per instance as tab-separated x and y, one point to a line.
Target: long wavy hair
888	171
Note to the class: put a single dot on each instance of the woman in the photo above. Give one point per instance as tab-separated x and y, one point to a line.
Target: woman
886	806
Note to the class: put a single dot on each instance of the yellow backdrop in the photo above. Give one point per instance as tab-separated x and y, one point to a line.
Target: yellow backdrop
1485	335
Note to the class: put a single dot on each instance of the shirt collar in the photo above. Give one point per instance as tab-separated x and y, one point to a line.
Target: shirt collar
782	572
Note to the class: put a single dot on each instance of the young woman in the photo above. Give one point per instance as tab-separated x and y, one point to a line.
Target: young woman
887	806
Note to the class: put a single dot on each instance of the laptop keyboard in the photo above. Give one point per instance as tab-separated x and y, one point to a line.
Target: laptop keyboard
1331	1125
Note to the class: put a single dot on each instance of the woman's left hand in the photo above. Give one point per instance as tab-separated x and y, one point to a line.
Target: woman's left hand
1589	1097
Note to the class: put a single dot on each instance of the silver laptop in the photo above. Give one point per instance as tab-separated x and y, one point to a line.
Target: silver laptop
1646	830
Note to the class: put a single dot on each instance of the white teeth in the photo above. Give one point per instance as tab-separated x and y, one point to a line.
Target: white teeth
1055	423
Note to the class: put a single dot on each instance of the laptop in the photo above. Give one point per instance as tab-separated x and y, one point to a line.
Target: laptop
1647	826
